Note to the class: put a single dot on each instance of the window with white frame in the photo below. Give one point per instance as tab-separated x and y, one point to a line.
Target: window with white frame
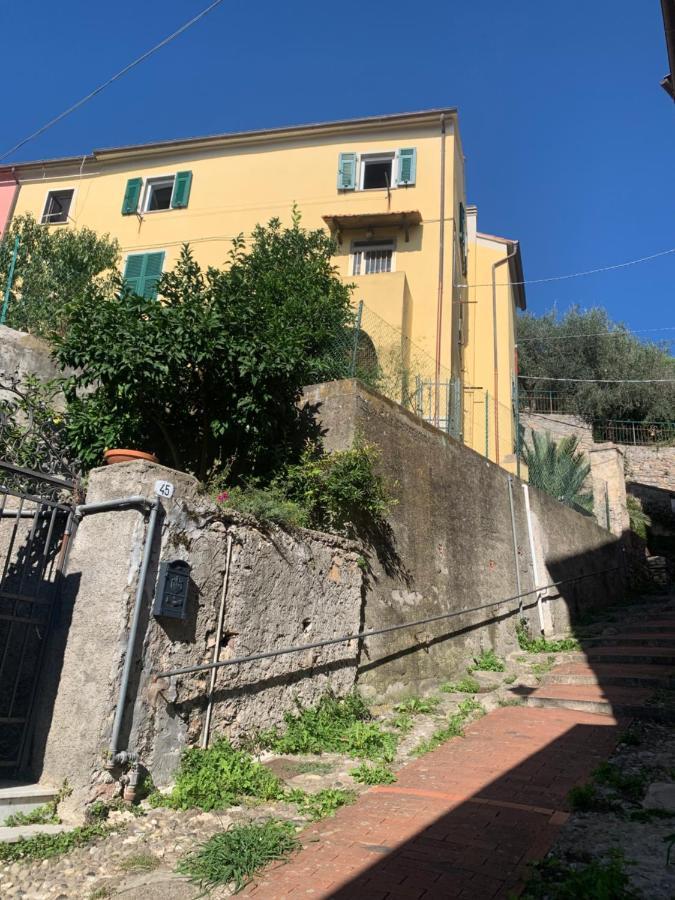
372	257
57	207
377	171
158	193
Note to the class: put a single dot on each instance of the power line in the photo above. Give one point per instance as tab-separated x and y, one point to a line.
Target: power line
602	380
615	333
113	78
623	265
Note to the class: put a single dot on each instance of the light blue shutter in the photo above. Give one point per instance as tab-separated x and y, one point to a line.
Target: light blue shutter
346	179
154	263
132	195
407	166
133	272
181	190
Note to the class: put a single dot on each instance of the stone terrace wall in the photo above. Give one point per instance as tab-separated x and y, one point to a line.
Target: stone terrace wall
452	546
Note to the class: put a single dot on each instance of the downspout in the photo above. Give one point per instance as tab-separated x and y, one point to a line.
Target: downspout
501	262
115	756
533	556
441	266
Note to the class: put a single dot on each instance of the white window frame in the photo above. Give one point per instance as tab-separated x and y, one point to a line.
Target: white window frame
379	156
356	256
46	201
148	185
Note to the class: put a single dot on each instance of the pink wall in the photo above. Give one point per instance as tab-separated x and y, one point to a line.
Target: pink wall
8	192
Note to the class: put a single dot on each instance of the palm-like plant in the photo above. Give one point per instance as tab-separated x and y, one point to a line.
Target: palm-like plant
559	468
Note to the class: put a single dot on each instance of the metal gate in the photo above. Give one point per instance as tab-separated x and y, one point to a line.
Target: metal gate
35	513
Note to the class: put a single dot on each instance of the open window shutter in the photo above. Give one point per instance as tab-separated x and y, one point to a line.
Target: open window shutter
346	180
407	166
132	195
181	190
133	272
154	263
462	236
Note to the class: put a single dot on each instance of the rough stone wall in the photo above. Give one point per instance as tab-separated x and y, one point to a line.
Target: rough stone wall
451	547
283	589
23	353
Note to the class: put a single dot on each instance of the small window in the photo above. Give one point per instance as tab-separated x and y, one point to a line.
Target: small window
57	207
158	192
372	257
376	171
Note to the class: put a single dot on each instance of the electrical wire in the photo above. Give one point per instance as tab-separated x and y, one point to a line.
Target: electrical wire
112	79
623	265
615	333
601	380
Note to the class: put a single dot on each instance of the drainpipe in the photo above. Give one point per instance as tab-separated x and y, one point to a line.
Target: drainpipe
441	265
501	262
533	556
146	505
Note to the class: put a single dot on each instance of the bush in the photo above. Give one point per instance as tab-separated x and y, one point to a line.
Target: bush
322	803
541	644
487	661
377	774
218	777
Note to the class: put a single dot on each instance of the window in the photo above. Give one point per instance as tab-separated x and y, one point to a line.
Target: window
372	257
158	194
57	207
376	171
141	273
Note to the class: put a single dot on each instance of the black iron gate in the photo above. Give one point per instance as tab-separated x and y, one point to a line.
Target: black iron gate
35	514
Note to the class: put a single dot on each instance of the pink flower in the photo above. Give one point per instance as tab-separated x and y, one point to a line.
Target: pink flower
222	497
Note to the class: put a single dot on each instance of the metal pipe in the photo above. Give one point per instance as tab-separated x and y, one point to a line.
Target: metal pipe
533	556
441	267
133	630
513	249
515	542
10	279
216	649
359	635
85	509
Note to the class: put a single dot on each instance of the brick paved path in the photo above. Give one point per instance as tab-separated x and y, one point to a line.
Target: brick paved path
462	821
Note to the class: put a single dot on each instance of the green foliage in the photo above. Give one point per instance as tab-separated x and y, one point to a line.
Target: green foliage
417	705
510	679
599	880
41	815
139	862
322	803
466	685
234	856
559	468
217	777
631	786
403	722
99	810
47	846
375	774
334	725
454	728
487	661
622	356
638	518
511	701
542	644
214	370
54	266
587	798
314	767
541	668
266	504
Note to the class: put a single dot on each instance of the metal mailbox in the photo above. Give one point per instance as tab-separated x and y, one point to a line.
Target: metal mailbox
171	597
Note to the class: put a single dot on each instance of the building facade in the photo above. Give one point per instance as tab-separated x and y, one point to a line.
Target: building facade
390	189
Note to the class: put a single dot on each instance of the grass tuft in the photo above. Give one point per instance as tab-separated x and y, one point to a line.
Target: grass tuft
552	879
376	774
487	661
541	644
466	685
234	856
322	803
417	705
140	862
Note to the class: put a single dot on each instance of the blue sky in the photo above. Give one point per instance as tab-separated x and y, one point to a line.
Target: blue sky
569	139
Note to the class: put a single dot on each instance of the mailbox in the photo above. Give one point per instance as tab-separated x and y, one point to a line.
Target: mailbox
171	596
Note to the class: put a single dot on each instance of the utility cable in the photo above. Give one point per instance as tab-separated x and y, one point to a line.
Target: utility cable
112	79
615	333
601	380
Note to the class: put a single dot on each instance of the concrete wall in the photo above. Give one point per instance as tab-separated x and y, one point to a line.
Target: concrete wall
283	589
27	355
451	546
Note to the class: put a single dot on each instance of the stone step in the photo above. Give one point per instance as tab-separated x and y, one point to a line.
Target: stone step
596	699
12	835
660	656
23	798
633	639
609	674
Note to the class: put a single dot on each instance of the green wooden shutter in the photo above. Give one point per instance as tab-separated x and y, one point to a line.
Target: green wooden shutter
132	195
407	166
133	272
462	236
154	263
346	179
181	190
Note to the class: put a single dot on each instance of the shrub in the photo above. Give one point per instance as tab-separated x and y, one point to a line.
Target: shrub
333	725
559	469
217	777
638	518
322	803
233	856
377	774
487	661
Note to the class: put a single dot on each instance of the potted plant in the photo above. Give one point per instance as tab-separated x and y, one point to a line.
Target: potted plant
119	456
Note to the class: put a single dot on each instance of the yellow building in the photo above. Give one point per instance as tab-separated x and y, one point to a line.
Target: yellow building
390	189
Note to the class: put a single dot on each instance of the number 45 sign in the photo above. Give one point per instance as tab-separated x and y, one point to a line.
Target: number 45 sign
164	489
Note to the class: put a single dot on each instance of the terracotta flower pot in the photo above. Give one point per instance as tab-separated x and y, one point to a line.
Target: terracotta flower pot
119	456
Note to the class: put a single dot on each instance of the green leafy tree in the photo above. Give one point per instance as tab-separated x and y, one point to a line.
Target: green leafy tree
559	468
577	345
213	370
53	267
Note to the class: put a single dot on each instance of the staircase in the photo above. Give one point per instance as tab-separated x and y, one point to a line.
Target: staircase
24	798
627	670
